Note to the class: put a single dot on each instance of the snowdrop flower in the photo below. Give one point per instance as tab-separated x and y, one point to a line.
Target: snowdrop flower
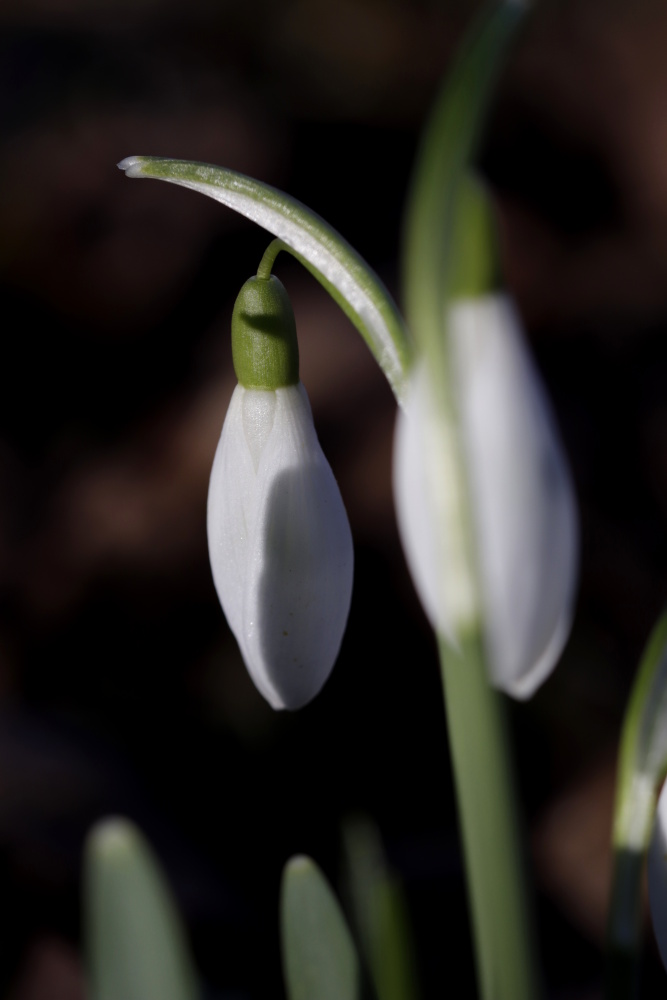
657	876
523	511
279	539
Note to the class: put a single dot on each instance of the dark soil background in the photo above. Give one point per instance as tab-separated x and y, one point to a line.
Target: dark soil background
121	688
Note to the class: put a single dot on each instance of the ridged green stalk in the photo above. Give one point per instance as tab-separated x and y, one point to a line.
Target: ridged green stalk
500	911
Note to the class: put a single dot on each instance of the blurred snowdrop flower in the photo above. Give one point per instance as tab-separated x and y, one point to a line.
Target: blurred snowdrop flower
279	540
657	876
523	511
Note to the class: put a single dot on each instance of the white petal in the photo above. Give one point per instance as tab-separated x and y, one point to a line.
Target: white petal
524	514
231	503
427	502
280	543
657	876
523	500
413	503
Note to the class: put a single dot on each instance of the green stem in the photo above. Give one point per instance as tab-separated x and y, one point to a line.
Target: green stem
269	258
625	927
641	770
501	918
635	811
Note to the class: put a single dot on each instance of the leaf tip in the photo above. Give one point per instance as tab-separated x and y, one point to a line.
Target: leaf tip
299	864
132	165
113	838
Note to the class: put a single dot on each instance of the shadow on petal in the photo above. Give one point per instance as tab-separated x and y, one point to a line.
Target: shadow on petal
305	586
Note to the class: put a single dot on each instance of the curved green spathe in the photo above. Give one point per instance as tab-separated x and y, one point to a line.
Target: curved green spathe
323	251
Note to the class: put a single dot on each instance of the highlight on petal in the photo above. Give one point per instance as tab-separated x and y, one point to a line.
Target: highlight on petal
657	876
428	498
524	515
280	543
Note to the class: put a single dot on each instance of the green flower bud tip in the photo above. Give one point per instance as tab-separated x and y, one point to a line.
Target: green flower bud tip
264	345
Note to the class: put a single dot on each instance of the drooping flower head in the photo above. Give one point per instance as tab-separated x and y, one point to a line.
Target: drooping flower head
523	510
279	540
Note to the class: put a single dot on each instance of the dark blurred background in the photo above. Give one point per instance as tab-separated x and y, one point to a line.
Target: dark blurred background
121	688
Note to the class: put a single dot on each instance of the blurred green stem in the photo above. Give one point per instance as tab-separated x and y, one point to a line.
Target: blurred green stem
635	811
641	770
269	258
500	914
625	926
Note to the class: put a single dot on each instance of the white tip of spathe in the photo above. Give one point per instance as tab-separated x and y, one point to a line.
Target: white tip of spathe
131	165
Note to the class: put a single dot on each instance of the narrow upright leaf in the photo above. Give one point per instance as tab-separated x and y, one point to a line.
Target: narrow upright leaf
136	946
323	251
319	958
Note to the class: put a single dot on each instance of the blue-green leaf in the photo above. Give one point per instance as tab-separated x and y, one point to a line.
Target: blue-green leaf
323	251
136	946
319	958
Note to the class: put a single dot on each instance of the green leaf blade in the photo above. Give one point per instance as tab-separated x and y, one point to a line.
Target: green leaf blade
323	251
136	946
319	957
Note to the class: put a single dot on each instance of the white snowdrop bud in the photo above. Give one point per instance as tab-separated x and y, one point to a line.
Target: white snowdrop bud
279	539
523	511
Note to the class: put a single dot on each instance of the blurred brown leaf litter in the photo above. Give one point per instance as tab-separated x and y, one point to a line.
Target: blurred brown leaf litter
120	687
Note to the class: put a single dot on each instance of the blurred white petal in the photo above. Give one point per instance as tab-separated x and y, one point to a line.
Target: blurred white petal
524	514
280	543
427	502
